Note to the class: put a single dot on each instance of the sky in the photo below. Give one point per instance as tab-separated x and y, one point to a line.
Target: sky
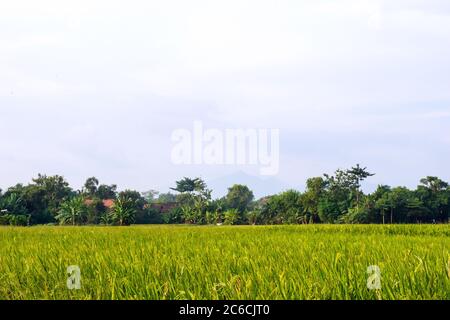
96	88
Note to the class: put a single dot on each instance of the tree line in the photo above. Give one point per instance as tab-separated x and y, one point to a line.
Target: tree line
335	198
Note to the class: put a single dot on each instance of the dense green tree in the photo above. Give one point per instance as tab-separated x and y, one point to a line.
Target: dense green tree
218	205
91	186
135	196
358	174
55	190
175	215
381	202
397	201
34	200
284	208
339	195
330	209
166	198
188	185
194	199
315	190
107	192
342	194
433	193
365	213
143	212
416	211
150	196
42	198
239	197
149	215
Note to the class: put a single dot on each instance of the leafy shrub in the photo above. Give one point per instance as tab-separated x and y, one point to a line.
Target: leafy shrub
231	216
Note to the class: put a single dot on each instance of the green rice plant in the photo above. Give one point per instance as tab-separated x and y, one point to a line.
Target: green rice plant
226	262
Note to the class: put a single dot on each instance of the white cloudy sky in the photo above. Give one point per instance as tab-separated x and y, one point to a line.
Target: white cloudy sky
96	87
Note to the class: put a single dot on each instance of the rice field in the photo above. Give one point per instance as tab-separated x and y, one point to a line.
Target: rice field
226	262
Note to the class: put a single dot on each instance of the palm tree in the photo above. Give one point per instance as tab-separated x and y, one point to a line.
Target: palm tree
72	211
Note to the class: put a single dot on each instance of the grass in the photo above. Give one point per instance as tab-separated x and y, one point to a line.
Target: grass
210	262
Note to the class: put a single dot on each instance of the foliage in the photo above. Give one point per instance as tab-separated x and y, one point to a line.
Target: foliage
174	216
123	212
231	216
239	197
194	199
14	219
335	198
72	211
253	217
91	187
107	192
149	216
187	185
284	208
95	210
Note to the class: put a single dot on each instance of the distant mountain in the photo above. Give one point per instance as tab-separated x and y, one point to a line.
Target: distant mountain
261	186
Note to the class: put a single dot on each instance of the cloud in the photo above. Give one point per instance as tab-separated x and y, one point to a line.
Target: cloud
97	87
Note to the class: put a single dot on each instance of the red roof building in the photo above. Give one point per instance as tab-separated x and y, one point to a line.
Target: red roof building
108	203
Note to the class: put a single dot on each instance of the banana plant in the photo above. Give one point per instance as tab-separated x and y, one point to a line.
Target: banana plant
72	211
